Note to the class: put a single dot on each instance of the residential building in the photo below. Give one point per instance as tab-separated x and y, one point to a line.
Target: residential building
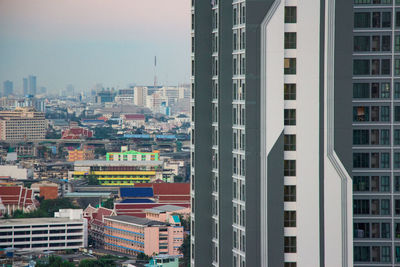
25	86
81	154
376	133
140	96
132	155
7	88
68	230
22	124
271	146
118	172
133	235
95	217
32	85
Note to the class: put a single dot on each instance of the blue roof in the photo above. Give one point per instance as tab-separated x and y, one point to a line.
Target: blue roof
138	136
136	192
138	200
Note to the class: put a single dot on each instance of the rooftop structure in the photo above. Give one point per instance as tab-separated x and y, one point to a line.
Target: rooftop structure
132	155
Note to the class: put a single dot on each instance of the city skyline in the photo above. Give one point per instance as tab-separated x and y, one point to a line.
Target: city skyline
112	43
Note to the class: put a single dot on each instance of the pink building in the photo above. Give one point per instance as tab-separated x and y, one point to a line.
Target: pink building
133	235
168	214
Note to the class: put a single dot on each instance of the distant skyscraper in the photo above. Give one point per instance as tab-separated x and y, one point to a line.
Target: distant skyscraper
25	87
140	96
32	85
7	88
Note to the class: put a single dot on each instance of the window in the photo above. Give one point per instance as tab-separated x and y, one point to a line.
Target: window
384	113
290	117
374	160
397	113
361	43
289	167
290	14
360	183
385	160
374	113
386	19
385	207
385	137
289	142
361	160
397	184
289	193
290	244
360	137
385	230
396	90
396	160
397	67
375	90
361	67
375	67
290	66
290	91
362	20
361	254
361	90
360	114
361	230
376	19
397	137
290	40
385	67
289	218
376	43
397	254
397	43
290	264
397	206
375	183
386	43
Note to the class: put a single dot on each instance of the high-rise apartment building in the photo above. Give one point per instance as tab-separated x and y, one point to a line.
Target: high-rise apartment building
25	86
7	88
376	132
22	124
140	96
271	143
32	85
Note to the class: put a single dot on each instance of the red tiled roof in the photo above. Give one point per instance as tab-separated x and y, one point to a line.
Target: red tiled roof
134	117
17	195
168	188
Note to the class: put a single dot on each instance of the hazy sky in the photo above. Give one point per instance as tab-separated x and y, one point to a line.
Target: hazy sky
84	42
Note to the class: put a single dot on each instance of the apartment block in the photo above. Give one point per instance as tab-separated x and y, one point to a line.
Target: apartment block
22	124
271	118
132	235
376	132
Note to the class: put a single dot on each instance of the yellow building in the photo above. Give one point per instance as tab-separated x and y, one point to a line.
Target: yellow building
118	172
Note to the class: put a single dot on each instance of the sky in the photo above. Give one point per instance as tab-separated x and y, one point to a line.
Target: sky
85	42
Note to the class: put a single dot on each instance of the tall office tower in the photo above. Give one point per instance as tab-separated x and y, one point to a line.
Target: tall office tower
140	95
7	88
376	132
271	142
32	85
25	86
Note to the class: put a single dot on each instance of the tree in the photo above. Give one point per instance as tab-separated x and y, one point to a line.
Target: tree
109	203
92	180
185	250
54	261
142	256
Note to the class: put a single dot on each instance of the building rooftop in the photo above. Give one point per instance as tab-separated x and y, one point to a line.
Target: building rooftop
88	194
35	221
136	192
135	220
165	208
116	163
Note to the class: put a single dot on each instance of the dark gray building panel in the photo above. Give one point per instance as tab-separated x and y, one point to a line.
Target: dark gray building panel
203	141
255	12
225	131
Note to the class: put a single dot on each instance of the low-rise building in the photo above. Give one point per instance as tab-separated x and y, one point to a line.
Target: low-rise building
168	213
133	235
132	155
68	230
81	154
15	172
17	198
95	217
45	189
164	261
118	172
